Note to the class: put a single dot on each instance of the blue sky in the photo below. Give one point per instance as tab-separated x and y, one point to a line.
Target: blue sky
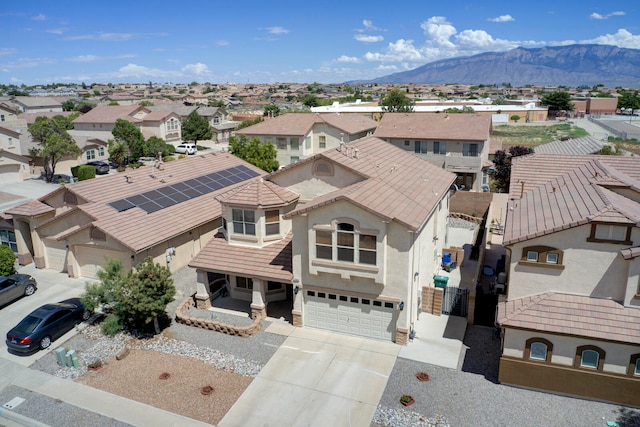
283	41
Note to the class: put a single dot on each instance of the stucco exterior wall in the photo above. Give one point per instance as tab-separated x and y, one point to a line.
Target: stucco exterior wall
616	360
302	181
590	268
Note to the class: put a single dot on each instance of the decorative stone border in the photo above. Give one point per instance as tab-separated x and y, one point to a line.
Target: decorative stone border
183	317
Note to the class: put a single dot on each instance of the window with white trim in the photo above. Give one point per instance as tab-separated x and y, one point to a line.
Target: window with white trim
101	151
294	159
532	256
272	222
216	120
589	357
281	143
244	282
538	351
294	143
91	154
346	244
610	233
470	150
322	141
543	256
244	221
636	370
172	124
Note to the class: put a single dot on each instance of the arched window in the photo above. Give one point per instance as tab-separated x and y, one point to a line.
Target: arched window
589	357
70	198
634	365
322	168
98	234
538	349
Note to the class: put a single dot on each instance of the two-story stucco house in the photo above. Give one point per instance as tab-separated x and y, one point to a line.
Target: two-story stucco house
298	136
99	122
36	104
166	211
458	143
349	236
571	318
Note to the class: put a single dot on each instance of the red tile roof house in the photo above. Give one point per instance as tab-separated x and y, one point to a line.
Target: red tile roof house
458	143
167	211
347	236
298	136
101	119
571	318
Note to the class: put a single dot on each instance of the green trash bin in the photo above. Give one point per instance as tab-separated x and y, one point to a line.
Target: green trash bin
440	281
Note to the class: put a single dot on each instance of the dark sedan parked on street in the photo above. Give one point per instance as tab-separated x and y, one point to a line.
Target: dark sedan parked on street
45	325
14	286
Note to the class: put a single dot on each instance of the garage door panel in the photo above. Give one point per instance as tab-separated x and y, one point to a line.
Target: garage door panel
56	253
348	315
92	259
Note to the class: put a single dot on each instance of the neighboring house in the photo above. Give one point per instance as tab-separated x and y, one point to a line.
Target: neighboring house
35	104
458	143
92	148
298	136
162	124
571	318
347	237
578	146
120	99
13	166
7	113
166	211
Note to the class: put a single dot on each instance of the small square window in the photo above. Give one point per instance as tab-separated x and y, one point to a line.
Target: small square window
538	351
366	301
388	305
343	298
311	293
636	371
377	303
532	256
354	300
322	295
552	258
332	296
589	359
407	143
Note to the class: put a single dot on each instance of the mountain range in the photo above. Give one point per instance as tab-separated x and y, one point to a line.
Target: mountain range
572	65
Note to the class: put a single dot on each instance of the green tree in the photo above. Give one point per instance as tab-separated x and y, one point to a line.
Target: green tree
195	128
246	123
310	101
133	299
54	142
216	103
629	99
396	102
515	117
7	261
155	145
118	151
271	110
127	132
68	105
557	101
262	155
84	107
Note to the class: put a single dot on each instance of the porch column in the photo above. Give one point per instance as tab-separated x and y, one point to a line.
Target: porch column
258	298
24	255
203	299
38	247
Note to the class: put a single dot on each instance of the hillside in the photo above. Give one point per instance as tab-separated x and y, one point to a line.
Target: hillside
572	65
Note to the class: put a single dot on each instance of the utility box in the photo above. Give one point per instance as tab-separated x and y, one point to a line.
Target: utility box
60	356
440	281
69	357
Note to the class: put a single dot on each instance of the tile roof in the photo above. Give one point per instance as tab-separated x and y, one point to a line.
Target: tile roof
577	146
462	127
566	314
109	114
272	262
550	193
298	124
630	253
259	193
38	101
30	208
30	118
397	185
135	228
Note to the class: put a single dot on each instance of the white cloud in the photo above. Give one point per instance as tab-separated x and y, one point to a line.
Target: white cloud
85	58
349	59
595	15
56	30
222	43
133	71
368	39
438	31
40	17
114	37
481	40
502	18
277	30
622	38
386	67
198	69
4	51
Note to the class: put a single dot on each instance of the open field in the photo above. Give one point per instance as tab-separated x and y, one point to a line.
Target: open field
532	134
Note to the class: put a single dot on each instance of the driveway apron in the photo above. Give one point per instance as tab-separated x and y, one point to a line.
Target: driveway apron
317	378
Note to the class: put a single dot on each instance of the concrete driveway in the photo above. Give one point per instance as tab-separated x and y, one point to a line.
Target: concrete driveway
317	378
52	287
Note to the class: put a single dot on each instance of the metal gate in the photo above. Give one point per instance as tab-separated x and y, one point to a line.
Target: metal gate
455	301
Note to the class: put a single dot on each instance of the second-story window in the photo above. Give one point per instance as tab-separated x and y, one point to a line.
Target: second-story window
295	143
322	141
421	147
244	222
272	222
346	244
439	147
470	150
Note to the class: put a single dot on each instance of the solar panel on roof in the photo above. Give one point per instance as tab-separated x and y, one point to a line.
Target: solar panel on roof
169	195
122	205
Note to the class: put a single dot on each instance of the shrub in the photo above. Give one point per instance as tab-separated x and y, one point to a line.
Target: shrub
86	172
515	117
74	171
182	156
112	325
7	261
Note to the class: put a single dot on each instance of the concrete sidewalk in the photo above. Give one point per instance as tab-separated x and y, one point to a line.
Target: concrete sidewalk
90	399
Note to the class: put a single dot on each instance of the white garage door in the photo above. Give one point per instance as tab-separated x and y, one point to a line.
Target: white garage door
350	315
91	259
56	252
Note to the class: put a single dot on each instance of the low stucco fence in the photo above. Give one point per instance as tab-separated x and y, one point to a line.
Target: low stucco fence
182	316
